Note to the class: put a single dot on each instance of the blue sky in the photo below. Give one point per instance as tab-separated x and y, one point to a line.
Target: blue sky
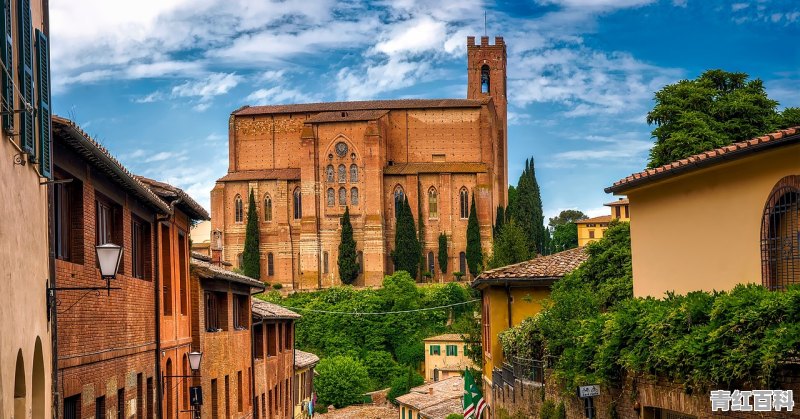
155	80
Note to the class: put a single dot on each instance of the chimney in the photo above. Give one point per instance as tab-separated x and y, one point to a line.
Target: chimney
216	247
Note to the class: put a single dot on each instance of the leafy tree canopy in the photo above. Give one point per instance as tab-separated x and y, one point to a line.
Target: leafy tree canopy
566	216
342	381
565	236
713	110
509	246
404	383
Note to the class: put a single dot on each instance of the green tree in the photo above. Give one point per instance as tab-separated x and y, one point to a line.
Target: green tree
474	252
381	368
403	384
713	110
499	220
566	216
443	252
509	247
527	209
341	381
406	244
512	201
421	233
348	264
251	257
565	236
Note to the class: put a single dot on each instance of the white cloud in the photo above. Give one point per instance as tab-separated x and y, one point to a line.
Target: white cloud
596	4
213	85
739	6
278	95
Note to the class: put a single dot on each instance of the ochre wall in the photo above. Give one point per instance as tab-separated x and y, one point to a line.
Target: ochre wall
702	230
448	365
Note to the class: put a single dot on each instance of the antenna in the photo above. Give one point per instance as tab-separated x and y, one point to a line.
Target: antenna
484	24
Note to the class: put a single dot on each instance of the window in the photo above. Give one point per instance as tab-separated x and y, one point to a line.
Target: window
433	203
452	350
258	341
272	339
360	261
298	204
216	316
353	173
139	396
68	217
487	343
270	264
325	262
140	248
100	407
166	269
485	79
108	222
780	235
287	336
431	266
239	390
121	403
183	262
399	198
627	212
331	197
72	407
267	208
185	383
150	395
619	211
342	171
342	196
214	402
227	396
463	200
591	234
329	173
238	209
240	312
435	350
353	196
462	262
240	260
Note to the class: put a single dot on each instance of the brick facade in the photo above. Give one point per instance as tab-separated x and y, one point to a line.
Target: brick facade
274	371
418	146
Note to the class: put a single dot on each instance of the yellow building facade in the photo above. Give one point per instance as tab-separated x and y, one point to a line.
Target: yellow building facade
445	357
737	218
513	293
593	229
304	363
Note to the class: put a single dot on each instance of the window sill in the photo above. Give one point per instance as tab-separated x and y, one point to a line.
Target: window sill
213	330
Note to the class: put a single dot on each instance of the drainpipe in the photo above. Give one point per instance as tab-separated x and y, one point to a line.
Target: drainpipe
508	303
157	280
51	262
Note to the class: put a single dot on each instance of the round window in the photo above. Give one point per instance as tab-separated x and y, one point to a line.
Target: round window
341	149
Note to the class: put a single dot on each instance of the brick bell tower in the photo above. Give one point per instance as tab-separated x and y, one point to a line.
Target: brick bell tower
486	76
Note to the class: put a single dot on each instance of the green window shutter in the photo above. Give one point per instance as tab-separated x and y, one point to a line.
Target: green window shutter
6	54
430	350
25	75
43	75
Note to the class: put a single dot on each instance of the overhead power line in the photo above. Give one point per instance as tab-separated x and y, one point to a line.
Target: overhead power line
366	313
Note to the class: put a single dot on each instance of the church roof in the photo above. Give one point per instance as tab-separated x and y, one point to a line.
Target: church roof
291	173
361	105
434	167
346	116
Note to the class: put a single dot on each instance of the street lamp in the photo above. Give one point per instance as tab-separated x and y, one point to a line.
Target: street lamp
195	392
194	360
108	257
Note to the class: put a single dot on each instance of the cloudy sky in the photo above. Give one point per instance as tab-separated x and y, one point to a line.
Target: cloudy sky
155	80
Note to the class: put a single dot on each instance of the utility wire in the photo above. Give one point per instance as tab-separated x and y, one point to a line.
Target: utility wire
358	313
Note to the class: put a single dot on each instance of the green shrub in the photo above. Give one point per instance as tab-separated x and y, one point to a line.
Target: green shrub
455	416
277	286
341	381
320	408
403	384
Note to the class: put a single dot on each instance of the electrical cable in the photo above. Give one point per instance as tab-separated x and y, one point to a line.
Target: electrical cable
358	313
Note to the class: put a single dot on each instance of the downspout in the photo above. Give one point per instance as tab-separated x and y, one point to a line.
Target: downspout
156	293
53	314
253	366
508	304
293	384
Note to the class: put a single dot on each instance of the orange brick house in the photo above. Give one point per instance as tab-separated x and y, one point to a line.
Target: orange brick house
305	163
273	360
106	341
220	304
175	327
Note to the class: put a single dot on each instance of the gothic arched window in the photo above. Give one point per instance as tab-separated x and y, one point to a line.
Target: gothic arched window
331	197
463	201
329	173
462	262
354	196
298	204
238	209
267	208
342	174
342	196
780	235
431	266
433	203
399	197
353	173
270	264
485	79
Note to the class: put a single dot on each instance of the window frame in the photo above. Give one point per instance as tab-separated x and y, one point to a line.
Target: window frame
433	203
141	248
297	203
463	201
238	208
267	208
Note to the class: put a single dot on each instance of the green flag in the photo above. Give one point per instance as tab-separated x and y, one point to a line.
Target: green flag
473	399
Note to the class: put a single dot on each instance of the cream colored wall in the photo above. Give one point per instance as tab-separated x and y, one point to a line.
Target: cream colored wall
404	409
702	230
459	361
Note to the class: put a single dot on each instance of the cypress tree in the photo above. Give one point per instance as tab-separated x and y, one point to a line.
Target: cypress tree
406	246
421	237
348	265
499	220
443	253
527	209
251	265
474	253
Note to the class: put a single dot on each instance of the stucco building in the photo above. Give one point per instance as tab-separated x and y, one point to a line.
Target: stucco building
307	162
593	229
25	329
200	235
739	223
445	357
304	363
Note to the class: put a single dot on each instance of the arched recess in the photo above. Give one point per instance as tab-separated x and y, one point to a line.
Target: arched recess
399	196
19	387
780	235
38	407
170	405
348	155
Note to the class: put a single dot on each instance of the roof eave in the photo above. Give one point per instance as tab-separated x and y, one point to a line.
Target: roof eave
537	281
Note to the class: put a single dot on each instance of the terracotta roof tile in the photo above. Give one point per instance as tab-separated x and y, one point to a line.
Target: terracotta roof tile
290	173
436	399
434	167
266	310
361	105
621	201
448	337
543	267
346	116
718	155
600	219
303	359
170	193
210	271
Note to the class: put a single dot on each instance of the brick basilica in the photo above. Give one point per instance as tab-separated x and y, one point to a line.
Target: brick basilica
306	162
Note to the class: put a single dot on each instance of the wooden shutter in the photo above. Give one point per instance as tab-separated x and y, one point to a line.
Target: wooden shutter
43	76
6	54
25	75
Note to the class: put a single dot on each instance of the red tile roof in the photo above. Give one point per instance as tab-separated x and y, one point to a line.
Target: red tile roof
171	193
346	116
303	359
539	269
716	156
290	173
448	337
361	105
266	310
434	167
621	201
600	219
208	270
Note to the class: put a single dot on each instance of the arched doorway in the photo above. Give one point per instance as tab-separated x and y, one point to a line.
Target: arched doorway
170	391
19	387
37	394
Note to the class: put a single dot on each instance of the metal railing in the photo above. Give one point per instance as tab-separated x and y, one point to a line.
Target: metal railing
527	369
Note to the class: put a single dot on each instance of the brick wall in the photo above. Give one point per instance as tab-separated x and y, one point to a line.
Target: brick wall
274	374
